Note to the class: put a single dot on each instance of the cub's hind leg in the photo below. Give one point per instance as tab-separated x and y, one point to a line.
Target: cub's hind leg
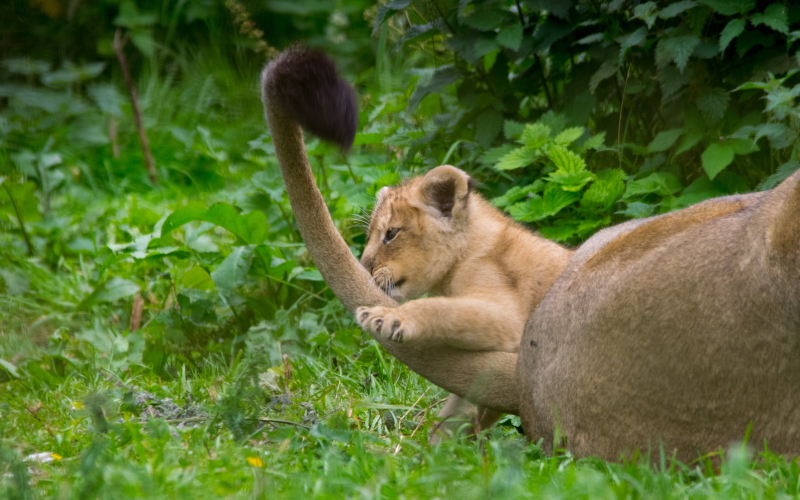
459	417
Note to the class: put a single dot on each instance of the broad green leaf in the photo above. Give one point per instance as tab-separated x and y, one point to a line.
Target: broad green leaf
676	8
71	72
310	275
197	278
742	146
511	37
144	41
251	228
606	70
418	33
16	282
368	138
130	17
26	66
568	136
781	174
516	193
706	49
492	156
647	12
23	195
730	7
487	127
110	291
489	59
554	200
638	210
664	140
560	231
596	142
485	20
383	10
232	272
10	368
713	103
565	160
538	208
107	98
776	16
689	141
752	38
606	189
535	135
571	181
660	183
518	158
512	129
198	307
733	29
677	49
442	77
631	40
587	40
672	81
715	158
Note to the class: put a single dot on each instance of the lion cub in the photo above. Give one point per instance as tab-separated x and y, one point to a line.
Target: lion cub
435	235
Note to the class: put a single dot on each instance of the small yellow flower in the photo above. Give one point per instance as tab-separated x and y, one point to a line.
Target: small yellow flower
56	456
77	405
255	461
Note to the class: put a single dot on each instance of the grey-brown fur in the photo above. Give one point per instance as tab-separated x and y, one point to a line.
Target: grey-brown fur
681	331
684	344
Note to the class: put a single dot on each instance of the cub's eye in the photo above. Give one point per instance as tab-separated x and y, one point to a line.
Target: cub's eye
390	234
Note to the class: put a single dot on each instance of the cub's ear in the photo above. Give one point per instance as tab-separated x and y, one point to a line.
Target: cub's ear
381	193
446	189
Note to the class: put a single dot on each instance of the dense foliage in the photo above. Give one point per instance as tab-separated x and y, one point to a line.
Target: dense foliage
174	339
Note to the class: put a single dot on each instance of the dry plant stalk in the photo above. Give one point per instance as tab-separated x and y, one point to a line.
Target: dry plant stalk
136	312
119	44
248	28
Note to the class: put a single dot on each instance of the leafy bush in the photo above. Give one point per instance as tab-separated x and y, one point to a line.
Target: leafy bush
666	85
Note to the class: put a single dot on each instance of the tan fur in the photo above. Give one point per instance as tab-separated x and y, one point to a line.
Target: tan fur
681	334
487	274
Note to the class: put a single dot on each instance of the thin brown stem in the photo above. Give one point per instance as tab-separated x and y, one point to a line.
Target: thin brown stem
119	44
519	13
33	413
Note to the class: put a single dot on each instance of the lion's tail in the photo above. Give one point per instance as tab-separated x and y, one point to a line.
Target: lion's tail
302	87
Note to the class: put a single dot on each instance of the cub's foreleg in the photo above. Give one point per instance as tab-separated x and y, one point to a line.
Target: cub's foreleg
473	324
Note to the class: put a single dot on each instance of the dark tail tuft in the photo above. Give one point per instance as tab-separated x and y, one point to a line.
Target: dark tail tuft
305	85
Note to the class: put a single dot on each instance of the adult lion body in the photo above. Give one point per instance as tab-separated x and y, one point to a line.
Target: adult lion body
680	329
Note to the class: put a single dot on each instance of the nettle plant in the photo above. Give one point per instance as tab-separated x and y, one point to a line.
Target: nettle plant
675	89
564	177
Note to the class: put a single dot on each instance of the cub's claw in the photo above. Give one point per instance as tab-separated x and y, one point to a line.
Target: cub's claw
386	322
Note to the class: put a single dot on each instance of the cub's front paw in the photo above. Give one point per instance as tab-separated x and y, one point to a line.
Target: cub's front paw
386	322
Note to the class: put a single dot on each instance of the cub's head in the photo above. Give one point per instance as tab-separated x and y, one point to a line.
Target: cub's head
418	231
